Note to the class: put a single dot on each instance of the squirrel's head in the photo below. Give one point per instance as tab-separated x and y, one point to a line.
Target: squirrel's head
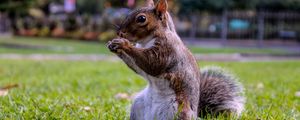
144	22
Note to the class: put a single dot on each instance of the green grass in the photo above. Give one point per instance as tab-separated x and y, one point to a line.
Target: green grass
51	46
227	50
60	89
64	46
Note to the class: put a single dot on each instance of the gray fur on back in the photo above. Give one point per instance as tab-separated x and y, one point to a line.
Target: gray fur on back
220	93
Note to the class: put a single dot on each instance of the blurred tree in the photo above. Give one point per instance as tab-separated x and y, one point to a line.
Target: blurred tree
43	5
89	6
96	6
16	7
276	5
189	6
117	3
245	4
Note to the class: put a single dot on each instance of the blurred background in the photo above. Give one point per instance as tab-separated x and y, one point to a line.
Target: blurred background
215	23
54	63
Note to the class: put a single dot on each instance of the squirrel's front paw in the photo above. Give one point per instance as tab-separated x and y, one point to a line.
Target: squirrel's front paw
116	45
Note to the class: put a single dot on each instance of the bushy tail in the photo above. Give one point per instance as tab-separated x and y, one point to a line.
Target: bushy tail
220	93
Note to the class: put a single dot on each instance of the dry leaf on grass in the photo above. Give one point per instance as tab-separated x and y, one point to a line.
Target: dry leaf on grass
10	86
297	94
86	108
74	106
125	96
122	96
4	90
260	86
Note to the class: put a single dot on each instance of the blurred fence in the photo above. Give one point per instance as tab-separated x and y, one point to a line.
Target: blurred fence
4	24
230	25
241	25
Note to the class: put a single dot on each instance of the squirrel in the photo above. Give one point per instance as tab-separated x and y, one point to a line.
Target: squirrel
148	43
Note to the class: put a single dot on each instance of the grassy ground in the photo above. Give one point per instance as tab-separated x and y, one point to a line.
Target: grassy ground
25	45
86	90
50	45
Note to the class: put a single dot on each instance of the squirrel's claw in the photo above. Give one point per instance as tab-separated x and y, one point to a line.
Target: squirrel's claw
117	44
112	47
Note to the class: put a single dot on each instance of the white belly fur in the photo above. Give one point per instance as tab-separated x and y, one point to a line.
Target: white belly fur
156	102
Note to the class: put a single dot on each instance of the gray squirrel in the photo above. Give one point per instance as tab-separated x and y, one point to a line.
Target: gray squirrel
177	89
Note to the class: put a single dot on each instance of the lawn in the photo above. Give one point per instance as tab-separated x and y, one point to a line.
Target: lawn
23	45
86	90
27	45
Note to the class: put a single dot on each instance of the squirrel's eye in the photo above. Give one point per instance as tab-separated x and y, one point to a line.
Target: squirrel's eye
141	19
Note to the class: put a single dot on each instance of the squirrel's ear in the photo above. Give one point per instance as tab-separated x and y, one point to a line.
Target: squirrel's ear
149	3
161	7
